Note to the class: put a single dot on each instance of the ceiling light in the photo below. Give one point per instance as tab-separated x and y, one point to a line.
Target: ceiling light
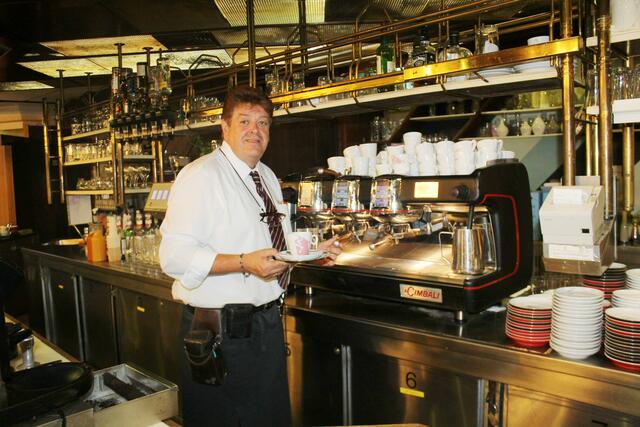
243	56
72	67
101	65
103	45
27	85
270	12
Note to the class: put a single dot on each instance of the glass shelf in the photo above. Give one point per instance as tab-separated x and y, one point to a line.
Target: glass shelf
139	157
88	192
629	35
137	190
88	161
624	111
97	132
517	137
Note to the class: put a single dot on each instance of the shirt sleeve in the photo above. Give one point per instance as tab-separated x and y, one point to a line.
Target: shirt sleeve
185	253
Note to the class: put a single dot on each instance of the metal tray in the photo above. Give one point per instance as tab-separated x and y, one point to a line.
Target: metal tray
160	400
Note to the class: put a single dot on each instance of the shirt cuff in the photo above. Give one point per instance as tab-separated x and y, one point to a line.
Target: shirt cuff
199	268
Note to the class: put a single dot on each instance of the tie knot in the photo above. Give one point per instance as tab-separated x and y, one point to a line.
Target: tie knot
256	179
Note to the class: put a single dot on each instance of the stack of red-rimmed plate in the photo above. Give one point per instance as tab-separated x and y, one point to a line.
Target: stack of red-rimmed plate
529	320
611	280
622	337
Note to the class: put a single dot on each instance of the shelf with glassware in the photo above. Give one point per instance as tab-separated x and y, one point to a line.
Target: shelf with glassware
100	155
620	36
82	135
623	110
417	85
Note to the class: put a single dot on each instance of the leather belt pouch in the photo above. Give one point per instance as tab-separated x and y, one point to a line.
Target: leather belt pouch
237	318
203	347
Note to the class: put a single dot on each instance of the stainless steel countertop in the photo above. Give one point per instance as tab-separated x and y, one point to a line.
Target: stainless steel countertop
146	279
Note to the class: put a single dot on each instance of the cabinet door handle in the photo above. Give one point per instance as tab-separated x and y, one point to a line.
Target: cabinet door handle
60	286
140	309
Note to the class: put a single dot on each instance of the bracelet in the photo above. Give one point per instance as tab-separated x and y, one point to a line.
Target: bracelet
242	270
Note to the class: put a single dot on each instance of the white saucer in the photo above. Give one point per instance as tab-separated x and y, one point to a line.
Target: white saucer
287	256
492	72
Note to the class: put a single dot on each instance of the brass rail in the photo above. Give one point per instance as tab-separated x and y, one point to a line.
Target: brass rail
605	136
45	143
569	135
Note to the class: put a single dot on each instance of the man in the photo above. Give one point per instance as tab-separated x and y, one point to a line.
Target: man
225	223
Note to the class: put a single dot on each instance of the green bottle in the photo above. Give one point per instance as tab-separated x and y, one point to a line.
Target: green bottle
385	57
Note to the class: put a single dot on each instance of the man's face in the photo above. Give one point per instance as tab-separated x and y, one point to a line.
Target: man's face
247	132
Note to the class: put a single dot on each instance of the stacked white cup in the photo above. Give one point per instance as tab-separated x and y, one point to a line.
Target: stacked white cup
464	156
369	150
426	155
445	157
488	149
351	153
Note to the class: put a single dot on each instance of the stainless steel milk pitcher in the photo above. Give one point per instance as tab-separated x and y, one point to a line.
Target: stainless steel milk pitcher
467	250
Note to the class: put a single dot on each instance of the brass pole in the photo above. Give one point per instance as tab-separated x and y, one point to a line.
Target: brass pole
302	22
160	161
605	136
251	37
628	153
588	148
568	118
154	163
114	163
120	181
45	145
59	113
60	150
596	151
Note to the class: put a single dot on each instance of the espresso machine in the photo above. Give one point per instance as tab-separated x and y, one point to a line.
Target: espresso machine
347	208
314	201
458	243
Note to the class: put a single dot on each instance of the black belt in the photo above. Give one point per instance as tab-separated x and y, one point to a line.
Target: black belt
263	307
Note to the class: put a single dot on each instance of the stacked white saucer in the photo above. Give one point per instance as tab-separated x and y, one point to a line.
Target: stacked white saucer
626	298
633	278
576	321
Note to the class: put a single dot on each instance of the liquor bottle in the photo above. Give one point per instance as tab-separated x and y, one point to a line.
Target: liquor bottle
375	129
141	99
137	250
454	51
123	92
423	51
149	238
385	57
115	91
127	235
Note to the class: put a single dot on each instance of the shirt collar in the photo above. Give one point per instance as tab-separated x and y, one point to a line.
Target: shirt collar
241	167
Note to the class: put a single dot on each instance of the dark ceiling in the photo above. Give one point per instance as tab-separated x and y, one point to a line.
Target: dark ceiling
177	24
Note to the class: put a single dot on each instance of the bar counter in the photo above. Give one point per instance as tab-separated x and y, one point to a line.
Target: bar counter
365	334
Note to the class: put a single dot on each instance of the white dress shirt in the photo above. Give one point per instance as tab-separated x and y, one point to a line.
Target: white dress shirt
212	212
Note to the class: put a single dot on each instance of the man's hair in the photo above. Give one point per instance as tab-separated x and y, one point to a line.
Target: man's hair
245	95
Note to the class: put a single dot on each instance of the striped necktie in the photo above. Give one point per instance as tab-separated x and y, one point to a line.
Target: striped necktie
275	225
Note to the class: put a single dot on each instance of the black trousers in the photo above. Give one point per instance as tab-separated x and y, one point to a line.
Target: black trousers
256	390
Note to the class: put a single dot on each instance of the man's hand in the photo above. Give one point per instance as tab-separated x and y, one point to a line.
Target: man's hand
261	263
333	248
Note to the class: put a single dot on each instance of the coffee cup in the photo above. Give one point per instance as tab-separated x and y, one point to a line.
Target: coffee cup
337	163
299	242
360	166
316	236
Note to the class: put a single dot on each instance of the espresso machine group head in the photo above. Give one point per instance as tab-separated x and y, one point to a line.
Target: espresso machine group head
459	242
